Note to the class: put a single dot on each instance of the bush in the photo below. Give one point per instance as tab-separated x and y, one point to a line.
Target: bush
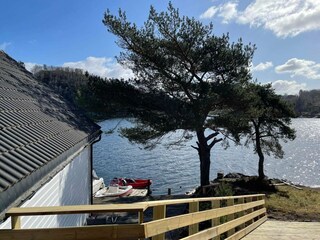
223	189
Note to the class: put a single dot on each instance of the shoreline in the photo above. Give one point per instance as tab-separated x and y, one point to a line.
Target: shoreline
286	202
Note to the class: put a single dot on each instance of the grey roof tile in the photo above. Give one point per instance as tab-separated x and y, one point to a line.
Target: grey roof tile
36	125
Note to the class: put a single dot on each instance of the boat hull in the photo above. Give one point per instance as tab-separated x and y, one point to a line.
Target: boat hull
114	191
97	184
135	183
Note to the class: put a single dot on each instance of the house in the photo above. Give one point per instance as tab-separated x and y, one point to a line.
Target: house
45	149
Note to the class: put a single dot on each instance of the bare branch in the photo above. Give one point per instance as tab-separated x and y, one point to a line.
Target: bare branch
212	135
215	140
195	148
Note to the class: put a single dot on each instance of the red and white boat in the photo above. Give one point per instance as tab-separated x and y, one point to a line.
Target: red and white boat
114	191
135	183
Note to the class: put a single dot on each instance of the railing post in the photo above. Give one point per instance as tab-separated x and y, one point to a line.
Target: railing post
194	228
242	213
15	222
140	217
215	221
255	208
159	212
263	197
230	202
249	199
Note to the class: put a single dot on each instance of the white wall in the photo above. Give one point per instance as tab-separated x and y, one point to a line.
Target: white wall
71	186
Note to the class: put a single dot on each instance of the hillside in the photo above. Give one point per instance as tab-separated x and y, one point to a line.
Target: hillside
95	95
306	104
100	98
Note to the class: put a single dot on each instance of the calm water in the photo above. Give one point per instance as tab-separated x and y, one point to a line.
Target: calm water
178	168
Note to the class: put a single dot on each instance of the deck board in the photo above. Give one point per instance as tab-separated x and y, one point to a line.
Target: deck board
281	230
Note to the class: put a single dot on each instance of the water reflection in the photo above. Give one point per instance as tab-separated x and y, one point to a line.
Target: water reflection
178	168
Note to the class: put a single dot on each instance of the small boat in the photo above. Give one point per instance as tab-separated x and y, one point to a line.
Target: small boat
114	191
97	183
135	183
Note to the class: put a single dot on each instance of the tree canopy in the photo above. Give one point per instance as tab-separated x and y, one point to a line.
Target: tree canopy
195	73
270	118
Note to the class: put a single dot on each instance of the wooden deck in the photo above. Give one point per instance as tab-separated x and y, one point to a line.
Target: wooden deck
280	230
231	217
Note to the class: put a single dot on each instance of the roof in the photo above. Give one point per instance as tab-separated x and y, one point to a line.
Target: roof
37	126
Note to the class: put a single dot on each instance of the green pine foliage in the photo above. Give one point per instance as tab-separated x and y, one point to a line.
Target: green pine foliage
184	74
269	118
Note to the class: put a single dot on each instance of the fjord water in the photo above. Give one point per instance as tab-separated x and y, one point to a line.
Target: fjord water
177	167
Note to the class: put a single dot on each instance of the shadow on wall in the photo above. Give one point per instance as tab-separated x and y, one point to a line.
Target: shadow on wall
74	188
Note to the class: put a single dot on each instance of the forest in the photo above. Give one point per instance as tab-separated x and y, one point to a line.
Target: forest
98	97
306	103
94	95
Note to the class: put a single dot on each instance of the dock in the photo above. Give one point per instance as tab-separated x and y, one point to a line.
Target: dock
283	230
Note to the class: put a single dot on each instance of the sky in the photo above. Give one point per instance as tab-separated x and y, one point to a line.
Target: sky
70	33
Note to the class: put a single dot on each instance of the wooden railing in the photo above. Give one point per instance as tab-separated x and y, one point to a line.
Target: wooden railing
225	218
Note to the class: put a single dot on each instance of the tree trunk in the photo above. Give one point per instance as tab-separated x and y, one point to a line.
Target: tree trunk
260	154
204	155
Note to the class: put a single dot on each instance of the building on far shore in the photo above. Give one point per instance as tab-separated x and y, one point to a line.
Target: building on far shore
45	149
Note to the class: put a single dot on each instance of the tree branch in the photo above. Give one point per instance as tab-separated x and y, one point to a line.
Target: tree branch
212	135
195	148
267	135
215	140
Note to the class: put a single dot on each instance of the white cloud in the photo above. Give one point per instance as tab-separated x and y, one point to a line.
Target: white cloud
262	66
300	67
104	67
227	11
4	45
288	87
211	11
285	18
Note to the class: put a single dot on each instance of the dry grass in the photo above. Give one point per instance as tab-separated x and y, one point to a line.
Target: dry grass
282	202
293	204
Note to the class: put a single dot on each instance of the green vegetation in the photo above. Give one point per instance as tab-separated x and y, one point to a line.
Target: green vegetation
270	119
283	202
99	98
289	203
223	189
194	73
306	104
73	83
187	79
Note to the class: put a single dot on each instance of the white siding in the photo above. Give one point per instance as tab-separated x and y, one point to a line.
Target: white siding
71	186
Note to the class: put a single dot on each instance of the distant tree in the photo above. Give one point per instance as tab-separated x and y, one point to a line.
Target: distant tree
306	104
184	72
270	119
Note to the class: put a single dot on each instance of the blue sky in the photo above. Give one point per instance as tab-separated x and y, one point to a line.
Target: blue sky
71	33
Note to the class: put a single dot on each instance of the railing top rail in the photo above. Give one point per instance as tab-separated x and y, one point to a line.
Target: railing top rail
167	224
204	199
132	207
76	209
